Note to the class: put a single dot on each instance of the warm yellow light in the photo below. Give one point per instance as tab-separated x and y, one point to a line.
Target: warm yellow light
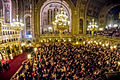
29	56
91	41
103	45
35	49
77	42
111	47
118	63
50	39
10	46
61	20
50	28
22	44
21	51
64	40
100	43
115	46
47	40
30	44
101	29
88	42
44	40
107	44
96	43
70	40
84	42
41	40
58	40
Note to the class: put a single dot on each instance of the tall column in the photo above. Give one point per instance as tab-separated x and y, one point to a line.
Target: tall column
75	22
82	16
35	20
37	24
32	20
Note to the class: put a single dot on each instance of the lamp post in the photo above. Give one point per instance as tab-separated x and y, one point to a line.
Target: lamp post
92	27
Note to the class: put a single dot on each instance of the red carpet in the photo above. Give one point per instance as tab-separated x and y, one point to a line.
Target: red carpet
14	65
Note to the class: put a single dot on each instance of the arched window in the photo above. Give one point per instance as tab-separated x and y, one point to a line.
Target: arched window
28	25
13	32
8	33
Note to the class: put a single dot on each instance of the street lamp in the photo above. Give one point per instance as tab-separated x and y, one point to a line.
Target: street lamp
92	27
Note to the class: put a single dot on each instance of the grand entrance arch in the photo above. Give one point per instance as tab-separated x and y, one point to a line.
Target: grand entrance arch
45	7
48	12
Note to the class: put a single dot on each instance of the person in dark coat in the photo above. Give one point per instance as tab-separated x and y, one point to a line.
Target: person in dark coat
1	69
7	65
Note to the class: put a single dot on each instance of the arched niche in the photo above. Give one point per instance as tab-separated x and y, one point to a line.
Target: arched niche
27	22
81	26
48	12
28	31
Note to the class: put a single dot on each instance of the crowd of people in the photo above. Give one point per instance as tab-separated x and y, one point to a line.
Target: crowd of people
4	66
113	32
64	61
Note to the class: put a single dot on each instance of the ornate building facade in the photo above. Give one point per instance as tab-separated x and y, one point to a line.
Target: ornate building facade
38	15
